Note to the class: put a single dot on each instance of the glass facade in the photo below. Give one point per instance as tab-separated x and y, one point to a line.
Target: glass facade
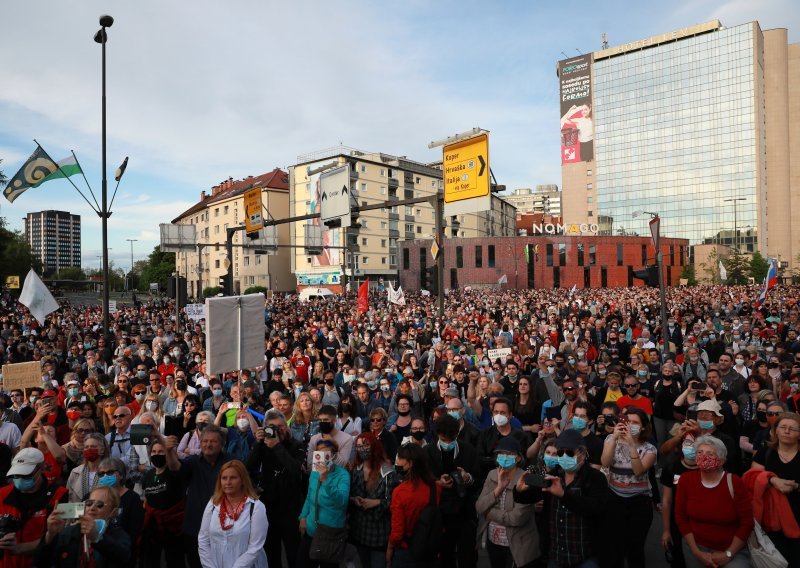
678	131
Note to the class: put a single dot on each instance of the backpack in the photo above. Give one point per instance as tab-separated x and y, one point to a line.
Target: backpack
424	541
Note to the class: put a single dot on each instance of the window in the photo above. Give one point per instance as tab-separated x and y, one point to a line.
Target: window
672	255
417	180
364	260
556	277
216	212
549	254
491	256
363	223
588	172
619	255
580	255
587	277
383	260
258	259
592	255
383	190
562	254
364	241
392	260
216	229
363	203
363	188
383	225
225	212
216	263
644	254
603	277
459	257
406	259
409	227
588	186
409	211
247	260
363	169
382	172
589	199
478	256
419	229
590	213
383	243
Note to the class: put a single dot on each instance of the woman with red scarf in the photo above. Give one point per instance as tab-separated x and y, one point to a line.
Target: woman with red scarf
234	525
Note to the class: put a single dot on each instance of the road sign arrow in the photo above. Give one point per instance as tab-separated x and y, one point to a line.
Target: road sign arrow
483	165
344	190
324	196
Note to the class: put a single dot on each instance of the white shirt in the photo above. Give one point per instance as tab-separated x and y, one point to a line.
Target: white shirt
10	434
244	541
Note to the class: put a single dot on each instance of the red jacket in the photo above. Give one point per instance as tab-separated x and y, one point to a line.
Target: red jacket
34	524
770	507
408	500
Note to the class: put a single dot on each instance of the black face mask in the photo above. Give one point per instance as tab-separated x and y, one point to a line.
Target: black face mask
417	435
761	415
326	427
180	385
401	472
158	461
347	408
329	382
403	412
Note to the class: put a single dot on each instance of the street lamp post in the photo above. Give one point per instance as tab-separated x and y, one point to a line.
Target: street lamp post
735	220
655	230
101	37
131	273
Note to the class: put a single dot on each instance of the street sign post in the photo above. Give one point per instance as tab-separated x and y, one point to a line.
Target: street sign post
253	219
467	188
335	197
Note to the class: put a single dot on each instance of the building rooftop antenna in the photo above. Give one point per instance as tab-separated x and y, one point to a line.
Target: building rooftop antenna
565	55
579	51
605	41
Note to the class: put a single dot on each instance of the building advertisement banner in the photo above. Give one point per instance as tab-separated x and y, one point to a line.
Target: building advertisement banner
577	126
330	238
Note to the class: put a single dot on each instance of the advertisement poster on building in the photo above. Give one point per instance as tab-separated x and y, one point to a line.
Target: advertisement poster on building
329	256
577	125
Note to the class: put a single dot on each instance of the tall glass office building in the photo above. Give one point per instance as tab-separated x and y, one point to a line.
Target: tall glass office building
678	125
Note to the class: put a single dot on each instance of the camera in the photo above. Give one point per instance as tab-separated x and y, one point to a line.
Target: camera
610	420
458	483
8	524
270	432
535	478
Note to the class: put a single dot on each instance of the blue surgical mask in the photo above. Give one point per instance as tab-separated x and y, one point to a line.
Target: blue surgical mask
689	452
705	424
216	392
578	423
642	373
506	461
454	414
24	484
107	481
568	463
371	384
550	461
73	392
100	526
447	446
432	384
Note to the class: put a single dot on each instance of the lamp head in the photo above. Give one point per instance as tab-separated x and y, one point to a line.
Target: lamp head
638	213
106	21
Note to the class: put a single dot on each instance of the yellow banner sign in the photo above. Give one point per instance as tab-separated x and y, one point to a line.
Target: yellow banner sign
12	282
466	169
252	210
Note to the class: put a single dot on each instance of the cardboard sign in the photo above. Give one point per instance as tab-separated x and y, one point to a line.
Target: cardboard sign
195	312
22	375
112	306
502	353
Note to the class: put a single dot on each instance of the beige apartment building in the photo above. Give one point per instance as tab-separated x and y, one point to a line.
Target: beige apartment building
223	207
545	199
700	125
371	250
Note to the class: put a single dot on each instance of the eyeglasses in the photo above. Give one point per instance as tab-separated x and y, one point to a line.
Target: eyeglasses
84	430
108	472
570	453
118	416
631	386
95	503
568	389
788	429
376	420
772	413
155	380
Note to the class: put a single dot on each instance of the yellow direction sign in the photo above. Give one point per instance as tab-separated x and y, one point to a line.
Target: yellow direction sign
252	210
227	262
466	169
434	250
12	281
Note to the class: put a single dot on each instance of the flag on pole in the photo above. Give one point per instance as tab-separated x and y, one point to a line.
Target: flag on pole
35	171
723	274
37	298
363	297
396	296
503	280
527	254
572	290
769	282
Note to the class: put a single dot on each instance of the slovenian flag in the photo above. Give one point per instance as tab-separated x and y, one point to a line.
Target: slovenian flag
769	282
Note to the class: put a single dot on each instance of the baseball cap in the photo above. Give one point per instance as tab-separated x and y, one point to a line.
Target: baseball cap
49	393
25	462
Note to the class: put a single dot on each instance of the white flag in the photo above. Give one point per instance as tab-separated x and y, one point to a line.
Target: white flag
37	298
572	290
503	279
723	274
399	297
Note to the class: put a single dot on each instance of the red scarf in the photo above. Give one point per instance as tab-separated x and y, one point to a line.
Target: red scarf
226	511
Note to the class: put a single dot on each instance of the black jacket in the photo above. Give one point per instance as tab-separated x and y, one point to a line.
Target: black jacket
466	458
113	550
280	478
487	442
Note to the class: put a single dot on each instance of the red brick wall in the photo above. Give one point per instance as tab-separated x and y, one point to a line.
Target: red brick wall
510	260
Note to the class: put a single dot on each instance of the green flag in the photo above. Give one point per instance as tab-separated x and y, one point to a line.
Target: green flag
38	169
527	254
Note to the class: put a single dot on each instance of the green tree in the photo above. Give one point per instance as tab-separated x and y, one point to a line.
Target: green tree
759	266
711	267
256	290
688	273
3	179
211	291
738	267
16	256
158	268
71	273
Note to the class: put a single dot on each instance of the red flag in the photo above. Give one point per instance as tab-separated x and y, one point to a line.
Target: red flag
363	297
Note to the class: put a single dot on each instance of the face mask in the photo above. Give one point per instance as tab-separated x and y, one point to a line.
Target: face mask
166	360
141	374
571	361
385	388
500	420
158	461
151	405
371	385
73	414
602	372
454	414
242	423
579	423
635	430
506	461
180	385
761	415
216	392
550	461
613	387
123	369
100	526
642	373
34	399
712	337
91	454
108	481
197	359
447	446
326	427
568	463
706	424
708	463
689	452
794	387
73	392
432	384
139	396
551	370
400	470
364	453
349	378
418	436
25	484
201	425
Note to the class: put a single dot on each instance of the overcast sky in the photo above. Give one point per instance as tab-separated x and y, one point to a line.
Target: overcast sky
201	91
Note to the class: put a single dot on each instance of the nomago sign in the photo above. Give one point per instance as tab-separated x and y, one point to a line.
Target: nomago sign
466	175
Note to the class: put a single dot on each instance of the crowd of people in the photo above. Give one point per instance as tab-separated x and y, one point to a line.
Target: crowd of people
545	427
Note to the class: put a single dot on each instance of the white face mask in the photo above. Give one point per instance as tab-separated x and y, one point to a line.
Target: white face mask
500	419
151	405
635	430
242	423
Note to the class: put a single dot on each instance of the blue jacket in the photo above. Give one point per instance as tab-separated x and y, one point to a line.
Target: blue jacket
332	500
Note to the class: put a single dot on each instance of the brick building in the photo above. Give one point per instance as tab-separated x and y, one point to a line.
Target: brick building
555	261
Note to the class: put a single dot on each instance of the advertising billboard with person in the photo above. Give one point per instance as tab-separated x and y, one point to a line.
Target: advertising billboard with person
577	127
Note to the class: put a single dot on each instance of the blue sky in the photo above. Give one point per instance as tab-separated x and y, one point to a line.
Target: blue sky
201	91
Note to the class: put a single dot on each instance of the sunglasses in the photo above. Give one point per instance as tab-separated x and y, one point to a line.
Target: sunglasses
771	413
376	420
84	430
631	386
108	472
570	453
118	416
568	389
95	503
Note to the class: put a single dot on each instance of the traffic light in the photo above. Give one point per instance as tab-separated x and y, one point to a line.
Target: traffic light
333	223
176	288
649	274
430	280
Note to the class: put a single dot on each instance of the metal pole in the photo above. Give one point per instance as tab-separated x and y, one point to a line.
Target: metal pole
663	297
177	277
200	272
439	213
104	210
131	274
229	252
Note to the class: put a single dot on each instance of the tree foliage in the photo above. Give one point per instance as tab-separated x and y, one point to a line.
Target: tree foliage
256	290
70	273
688	273
16	256
759	266
158	268
738	267
212	291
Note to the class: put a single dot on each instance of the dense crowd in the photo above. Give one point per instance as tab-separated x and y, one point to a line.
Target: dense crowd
545	427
